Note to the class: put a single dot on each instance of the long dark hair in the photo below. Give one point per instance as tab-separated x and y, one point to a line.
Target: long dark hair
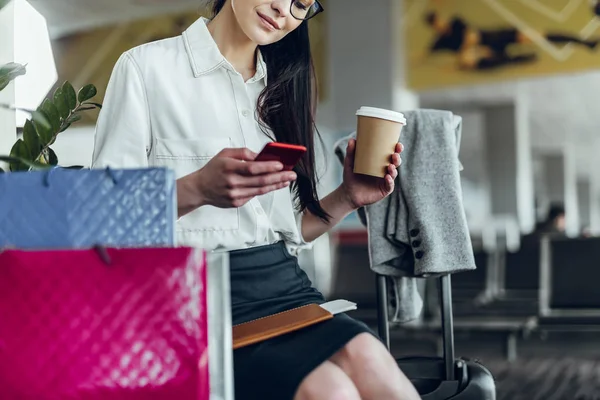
287	106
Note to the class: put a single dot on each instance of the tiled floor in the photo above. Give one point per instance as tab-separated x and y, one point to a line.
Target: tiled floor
547	379
563	367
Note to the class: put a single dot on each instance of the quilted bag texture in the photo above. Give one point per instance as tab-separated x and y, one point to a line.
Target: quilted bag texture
118	324
65	209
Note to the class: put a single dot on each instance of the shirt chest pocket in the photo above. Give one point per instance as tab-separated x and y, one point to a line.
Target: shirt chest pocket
185	157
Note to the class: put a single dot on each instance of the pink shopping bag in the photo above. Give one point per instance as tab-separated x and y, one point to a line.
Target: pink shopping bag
126	324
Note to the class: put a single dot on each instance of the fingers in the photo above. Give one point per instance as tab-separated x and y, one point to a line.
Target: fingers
241	196
254	168
266	180
396	159
389	183
349	161
351	145
392	171
242	154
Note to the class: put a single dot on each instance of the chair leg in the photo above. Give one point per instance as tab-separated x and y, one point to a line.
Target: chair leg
445	293
511	347
383	324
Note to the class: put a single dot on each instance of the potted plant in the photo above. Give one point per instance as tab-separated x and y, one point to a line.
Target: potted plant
52	117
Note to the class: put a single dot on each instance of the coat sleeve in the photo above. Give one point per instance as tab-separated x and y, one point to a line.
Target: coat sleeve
123	131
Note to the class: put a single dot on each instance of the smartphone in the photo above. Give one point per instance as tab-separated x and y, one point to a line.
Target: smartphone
287	154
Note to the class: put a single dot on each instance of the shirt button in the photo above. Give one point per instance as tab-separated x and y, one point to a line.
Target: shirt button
245	113
259	210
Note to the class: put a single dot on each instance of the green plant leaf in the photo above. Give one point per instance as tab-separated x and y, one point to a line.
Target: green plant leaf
86	93
65	127
24	161
12	68
93	104
73	118
61	103
86	108
10	71
41	119
51	112
52	158
43	129
19	151
31	139
70	95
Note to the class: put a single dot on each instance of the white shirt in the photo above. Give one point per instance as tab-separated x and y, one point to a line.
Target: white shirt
178	102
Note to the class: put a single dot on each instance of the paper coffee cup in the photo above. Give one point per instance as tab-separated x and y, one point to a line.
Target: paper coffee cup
378	132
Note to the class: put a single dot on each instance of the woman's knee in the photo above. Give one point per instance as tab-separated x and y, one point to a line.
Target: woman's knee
364	352
368	362
327	382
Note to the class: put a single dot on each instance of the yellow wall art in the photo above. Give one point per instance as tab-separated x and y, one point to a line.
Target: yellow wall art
465	42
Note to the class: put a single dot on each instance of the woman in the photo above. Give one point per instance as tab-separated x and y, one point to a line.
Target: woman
203	104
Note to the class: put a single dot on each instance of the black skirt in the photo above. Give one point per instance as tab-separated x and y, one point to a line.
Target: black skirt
266	280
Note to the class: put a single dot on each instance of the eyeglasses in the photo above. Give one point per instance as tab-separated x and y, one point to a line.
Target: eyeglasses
305	9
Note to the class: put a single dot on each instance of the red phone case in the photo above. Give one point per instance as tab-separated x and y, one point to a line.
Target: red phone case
288	154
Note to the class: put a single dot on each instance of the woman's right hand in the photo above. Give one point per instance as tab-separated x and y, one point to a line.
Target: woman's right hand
231	179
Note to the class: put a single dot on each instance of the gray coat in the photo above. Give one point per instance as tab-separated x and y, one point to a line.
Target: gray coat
420	230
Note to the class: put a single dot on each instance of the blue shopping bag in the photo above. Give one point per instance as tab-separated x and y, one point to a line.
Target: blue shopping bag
66	208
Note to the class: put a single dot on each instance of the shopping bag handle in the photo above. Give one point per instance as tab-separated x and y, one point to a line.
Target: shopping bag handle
103	254
111	174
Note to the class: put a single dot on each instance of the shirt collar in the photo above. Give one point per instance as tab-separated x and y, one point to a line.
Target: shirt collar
205	56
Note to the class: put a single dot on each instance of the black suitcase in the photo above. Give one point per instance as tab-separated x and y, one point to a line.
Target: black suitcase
439	378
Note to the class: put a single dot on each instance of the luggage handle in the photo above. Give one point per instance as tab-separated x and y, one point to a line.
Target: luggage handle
445	295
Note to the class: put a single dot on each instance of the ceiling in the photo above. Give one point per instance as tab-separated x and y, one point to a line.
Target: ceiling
67	16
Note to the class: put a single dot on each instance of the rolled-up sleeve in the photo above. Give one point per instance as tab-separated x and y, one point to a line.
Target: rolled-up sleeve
123	130
299	244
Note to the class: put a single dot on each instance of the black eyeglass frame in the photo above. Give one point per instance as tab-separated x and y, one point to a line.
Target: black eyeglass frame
317	4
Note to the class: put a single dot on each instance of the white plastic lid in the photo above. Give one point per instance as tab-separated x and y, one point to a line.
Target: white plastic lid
381	114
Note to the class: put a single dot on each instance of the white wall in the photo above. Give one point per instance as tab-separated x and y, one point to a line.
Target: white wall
584	197
366	68
571	201
366	63
526	212
8	126
75	146
360	58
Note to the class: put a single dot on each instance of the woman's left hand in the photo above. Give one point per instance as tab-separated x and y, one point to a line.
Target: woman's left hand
362	190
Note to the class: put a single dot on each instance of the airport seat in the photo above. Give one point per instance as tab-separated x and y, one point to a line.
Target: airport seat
569	284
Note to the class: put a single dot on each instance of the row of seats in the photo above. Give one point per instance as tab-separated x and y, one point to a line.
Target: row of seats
549	277
549	284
